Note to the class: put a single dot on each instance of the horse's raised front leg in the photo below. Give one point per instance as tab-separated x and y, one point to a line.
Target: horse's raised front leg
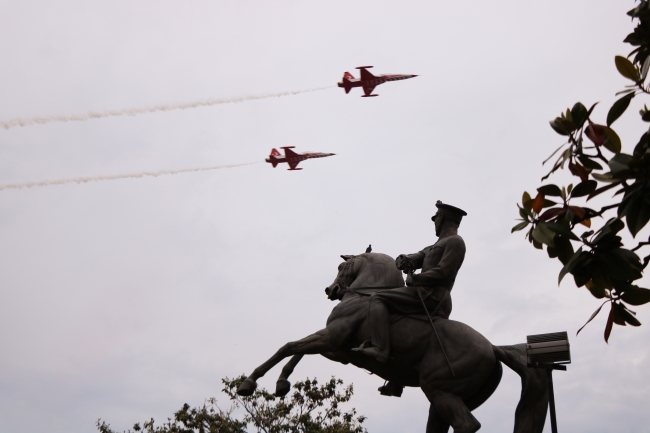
317	342
282	386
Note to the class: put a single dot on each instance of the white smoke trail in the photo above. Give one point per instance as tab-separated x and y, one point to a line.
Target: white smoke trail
6	124
33	184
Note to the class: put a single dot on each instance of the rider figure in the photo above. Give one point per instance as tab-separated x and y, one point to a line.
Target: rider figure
440	263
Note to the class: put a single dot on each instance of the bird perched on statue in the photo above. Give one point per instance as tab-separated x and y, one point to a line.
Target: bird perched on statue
369	249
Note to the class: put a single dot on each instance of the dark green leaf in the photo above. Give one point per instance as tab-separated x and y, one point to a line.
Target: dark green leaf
635	209
543	234
626	68
589	163
557	127
596	290
645	116
563	249
635	295
612	142
619	319
526	201
627	315
552	190
523	213
584	188
562	230
618	108
618	263
619	162
579	114
520	226
569	265
602	190
548	203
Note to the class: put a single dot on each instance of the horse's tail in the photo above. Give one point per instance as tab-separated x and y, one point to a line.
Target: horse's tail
533	404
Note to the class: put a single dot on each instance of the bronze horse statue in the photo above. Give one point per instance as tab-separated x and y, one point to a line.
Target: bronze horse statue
457	371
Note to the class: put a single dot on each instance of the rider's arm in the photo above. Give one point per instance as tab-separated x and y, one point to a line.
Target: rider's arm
414	261
445	272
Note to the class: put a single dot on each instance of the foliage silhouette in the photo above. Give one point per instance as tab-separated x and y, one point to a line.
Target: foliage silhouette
312	408
601	263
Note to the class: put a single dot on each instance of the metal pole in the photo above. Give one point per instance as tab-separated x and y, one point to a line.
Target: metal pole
551	399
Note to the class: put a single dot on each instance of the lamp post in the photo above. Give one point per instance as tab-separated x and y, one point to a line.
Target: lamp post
550	352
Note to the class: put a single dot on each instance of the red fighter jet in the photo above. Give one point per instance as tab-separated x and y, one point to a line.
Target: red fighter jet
369	81
293	158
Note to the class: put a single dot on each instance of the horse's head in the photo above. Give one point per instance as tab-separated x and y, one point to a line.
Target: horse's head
364	271
343	279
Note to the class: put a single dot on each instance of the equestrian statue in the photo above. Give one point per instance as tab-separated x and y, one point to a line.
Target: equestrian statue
402	333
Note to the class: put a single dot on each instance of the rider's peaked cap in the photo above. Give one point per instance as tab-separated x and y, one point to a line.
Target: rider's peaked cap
456	213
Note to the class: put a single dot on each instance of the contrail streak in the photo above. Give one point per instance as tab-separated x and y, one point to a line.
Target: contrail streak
33	184
42	120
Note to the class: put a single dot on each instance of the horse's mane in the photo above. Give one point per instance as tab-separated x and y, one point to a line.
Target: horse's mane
375	270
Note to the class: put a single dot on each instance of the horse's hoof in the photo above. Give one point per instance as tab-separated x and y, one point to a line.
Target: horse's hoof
247	387
282	387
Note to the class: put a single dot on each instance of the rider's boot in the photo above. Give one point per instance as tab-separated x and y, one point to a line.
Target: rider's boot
371	351
391	389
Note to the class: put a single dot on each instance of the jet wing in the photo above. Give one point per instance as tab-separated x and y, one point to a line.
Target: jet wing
365	75
367	89
293	165
288	153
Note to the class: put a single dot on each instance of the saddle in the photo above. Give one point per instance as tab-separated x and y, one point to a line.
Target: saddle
394	317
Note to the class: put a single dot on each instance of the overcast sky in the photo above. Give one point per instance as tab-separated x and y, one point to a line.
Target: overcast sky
124	299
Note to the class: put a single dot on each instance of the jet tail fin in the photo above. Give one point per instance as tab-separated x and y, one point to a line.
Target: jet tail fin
345	83
274	152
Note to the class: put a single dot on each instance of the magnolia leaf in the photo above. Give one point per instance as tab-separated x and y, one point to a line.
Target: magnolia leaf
552	190
562	230
610	323
618	108
592	317
644	68
538	203
596	133
520	226
626	68
613	142
543	234
636	295
579	114
584	188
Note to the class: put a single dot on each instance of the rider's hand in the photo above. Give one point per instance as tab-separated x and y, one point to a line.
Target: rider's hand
409	279
404	263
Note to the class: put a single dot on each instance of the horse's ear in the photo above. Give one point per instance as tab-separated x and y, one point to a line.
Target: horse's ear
347	257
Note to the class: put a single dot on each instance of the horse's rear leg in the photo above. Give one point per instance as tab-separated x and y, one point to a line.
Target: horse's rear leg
317	342
436	424
451	409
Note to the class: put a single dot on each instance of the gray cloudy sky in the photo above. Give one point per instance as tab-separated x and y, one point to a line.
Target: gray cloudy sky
125	299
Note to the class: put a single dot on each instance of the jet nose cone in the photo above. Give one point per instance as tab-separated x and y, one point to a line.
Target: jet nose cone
413	75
